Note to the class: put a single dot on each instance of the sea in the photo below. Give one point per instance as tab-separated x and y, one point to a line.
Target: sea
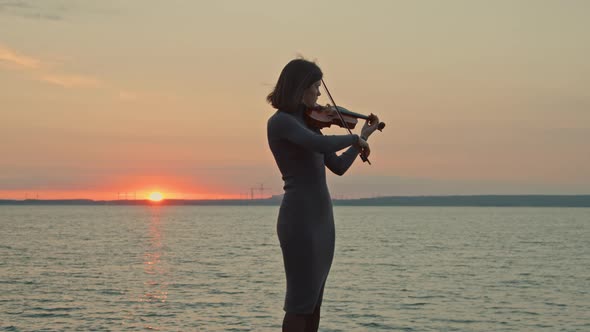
219	268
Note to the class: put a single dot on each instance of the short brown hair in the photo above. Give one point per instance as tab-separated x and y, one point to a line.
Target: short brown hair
298	75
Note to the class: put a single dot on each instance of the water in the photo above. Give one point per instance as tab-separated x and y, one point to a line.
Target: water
66	268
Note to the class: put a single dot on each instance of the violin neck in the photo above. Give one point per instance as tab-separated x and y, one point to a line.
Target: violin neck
353	114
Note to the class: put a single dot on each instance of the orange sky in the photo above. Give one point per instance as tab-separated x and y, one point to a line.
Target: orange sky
479	97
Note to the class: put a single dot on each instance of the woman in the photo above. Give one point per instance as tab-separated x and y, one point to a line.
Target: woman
305	224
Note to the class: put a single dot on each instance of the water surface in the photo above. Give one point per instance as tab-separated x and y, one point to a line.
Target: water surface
207	268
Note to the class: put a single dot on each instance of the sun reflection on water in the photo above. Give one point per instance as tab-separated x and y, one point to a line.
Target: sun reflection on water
156	286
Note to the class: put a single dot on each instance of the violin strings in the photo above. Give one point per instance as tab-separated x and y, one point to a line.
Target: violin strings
336	107
341	118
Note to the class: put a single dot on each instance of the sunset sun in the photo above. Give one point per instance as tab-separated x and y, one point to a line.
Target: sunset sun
155	196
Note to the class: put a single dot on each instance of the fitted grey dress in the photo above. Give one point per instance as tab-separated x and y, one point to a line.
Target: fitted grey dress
305	224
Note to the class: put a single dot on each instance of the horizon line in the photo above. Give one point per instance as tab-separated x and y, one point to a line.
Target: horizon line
277	197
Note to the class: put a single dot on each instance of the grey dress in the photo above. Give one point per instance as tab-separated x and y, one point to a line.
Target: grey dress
305	225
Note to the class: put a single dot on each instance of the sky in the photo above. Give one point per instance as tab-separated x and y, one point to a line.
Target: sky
100	99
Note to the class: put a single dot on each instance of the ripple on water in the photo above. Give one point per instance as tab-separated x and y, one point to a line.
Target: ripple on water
220	269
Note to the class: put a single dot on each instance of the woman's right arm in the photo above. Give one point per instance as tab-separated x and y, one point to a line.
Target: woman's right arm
285	126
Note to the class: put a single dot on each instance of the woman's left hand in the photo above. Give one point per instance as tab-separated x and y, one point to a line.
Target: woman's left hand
370	126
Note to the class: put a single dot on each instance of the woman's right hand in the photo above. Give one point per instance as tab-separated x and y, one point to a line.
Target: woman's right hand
363	146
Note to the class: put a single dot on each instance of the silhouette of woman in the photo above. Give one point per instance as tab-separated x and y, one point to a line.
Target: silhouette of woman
305	225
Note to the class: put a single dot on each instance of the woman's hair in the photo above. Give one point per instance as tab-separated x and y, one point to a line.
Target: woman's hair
296	77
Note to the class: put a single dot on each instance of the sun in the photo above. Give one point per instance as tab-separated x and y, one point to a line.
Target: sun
155	196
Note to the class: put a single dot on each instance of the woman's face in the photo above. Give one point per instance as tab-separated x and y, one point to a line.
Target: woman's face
311	94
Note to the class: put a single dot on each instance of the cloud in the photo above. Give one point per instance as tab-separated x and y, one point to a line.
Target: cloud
11	58
70	81
41	10
55	10
41	71
48	72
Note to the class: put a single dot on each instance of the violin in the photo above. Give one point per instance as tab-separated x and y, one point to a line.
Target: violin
326	116
321	117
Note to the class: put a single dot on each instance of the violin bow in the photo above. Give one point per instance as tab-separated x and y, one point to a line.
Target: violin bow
363	157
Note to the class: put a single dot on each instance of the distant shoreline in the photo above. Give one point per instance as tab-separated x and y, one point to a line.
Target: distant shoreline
455	200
